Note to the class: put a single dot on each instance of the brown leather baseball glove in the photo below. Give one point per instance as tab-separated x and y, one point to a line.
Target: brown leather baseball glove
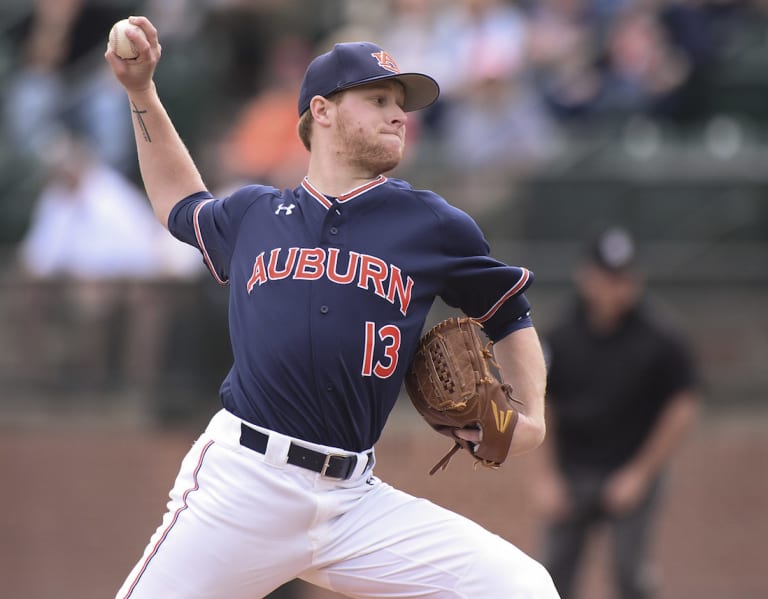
452	386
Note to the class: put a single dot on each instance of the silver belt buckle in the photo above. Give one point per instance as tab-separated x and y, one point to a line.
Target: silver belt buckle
327	463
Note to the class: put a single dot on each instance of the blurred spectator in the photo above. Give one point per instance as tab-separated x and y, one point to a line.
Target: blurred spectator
563	51
621	397
601	62
413	28
501	124
60	79
94	252
495	126
498	134
243	33
409	26
703	31
478	38
644	70
263	143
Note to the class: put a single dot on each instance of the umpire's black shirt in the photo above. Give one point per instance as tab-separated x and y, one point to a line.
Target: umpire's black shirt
605	392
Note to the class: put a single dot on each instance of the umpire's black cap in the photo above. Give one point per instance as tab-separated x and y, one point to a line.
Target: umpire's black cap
358	63
613	250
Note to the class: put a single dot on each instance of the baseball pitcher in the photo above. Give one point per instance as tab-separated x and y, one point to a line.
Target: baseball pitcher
330	284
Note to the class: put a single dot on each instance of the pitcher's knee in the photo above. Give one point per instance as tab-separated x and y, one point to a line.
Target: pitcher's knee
541	584
533	583
511	574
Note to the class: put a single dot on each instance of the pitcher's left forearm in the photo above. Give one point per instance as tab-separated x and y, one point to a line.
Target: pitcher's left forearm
521	360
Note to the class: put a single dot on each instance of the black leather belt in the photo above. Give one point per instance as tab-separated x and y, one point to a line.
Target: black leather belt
329	465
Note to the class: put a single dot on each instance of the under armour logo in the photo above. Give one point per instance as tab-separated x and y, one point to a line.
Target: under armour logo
288	209
386	61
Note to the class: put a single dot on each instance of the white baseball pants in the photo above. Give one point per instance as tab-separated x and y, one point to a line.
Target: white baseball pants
239	524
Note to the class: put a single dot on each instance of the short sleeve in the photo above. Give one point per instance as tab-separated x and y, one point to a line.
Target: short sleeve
483	287
676	369
212	225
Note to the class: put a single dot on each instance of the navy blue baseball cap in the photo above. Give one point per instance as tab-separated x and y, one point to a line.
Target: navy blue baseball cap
359	63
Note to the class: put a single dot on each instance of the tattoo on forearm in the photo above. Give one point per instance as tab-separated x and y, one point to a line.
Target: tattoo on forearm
142	125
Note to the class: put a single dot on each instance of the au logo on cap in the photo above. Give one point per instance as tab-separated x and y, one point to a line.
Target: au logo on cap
386	61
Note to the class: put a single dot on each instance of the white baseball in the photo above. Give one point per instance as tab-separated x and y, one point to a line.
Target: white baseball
120	43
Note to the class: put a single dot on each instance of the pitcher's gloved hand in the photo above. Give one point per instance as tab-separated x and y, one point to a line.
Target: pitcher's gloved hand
452	385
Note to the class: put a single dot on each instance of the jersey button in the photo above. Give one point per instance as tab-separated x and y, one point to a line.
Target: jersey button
333	230
323	309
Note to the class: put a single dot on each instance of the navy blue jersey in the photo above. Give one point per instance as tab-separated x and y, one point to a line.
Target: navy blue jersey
328	297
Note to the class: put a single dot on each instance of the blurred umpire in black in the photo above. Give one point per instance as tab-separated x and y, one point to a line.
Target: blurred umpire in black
622	393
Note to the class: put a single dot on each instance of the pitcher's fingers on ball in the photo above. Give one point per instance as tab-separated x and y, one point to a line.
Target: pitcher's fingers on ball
147	27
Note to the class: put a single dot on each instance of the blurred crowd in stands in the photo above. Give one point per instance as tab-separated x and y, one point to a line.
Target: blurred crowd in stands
521	80
518	77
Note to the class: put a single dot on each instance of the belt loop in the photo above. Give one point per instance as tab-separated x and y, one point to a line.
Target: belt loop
364	462
224	428
277	449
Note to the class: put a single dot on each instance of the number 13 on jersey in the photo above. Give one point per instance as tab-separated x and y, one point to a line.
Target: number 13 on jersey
389	337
